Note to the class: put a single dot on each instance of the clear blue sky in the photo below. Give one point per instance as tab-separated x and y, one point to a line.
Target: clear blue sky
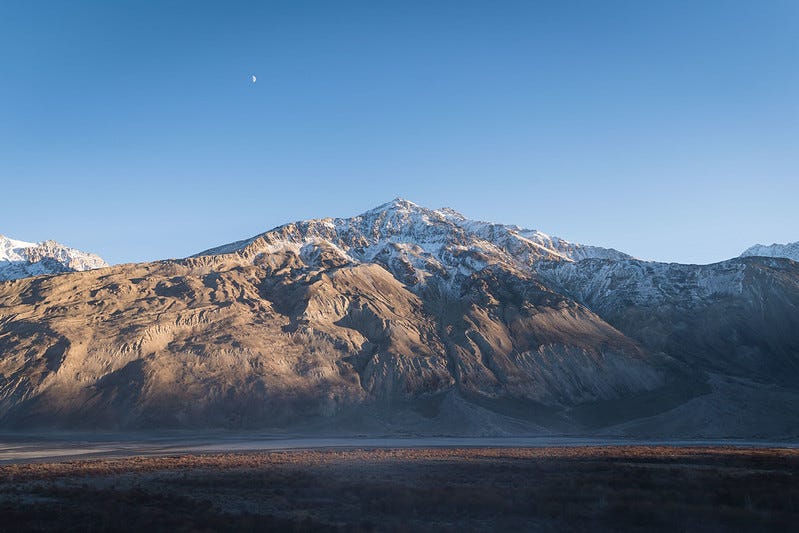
667	129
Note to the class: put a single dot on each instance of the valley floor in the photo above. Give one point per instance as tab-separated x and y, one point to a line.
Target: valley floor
550	488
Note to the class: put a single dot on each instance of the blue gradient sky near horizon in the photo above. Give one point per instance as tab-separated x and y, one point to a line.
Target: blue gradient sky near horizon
668	130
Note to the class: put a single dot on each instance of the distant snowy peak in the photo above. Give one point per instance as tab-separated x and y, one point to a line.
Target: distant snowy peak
20	259
416	243
789	250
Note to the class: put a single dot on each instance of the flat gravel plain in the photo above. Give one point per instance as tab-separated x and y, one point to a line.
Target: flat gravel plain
575	488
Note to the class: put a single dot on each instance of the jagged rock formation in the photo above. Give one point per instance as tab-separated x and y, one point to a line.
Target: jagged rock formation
19	259
404	319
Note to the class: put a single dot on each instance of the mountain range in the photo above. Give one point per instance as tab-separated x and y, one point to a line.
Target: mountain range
403	320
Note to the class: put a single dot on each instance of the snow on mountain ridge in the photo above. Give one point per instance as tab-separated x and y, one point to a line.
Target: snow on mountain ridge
11	249
20	259
417	242
602	283
789	250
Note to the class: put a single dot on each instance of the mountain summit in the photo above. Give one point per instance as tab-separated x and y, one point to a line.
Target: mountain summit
19	259
418	244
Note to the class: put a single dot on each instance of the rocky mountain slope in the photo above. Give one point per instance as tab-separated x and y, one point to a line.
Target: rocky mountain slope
405	319
19	259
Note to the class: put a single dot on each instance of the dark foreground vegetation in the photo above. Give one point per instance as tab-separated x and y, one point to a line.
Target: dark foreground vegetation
639	488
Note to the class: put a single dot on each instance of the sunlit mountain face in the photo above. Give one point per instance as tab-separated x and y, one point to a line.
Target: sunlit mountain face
406	319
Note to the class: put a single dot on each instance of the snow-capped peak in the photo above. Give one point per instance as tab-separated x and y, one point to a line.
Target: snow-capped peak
20	259
415	243
11	249
397	204
789	250
403	211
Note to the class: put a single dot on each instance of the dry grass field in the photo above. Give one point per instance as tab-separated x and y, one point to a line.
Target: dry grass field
635	488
